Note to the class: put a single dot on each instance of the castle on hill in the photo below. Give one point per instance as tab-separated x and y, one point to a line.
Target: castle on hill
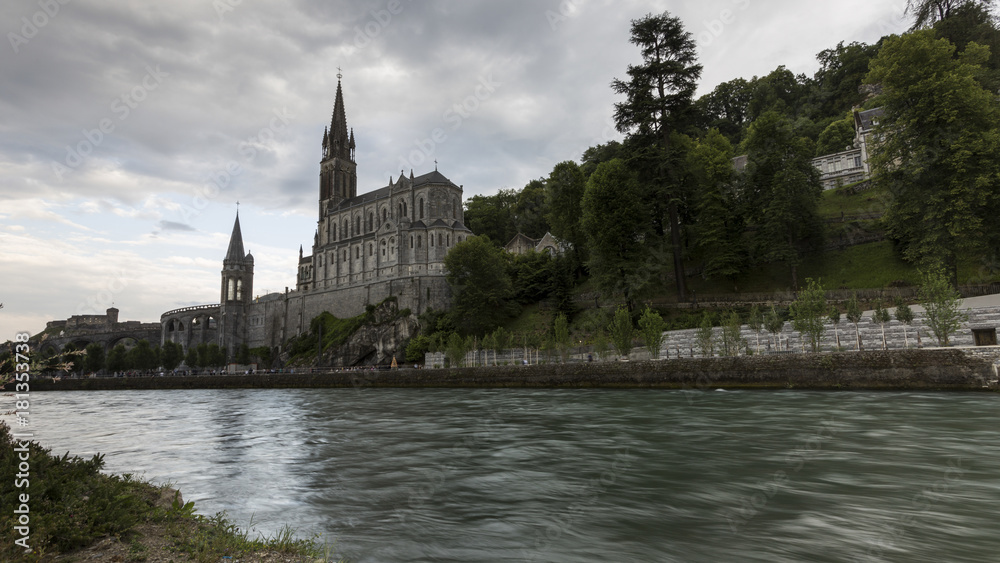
390	242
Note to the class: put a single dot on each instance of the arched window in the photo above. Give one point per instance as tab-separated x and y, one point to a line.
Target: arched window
454	209
371	221
357	252
343	233
411	241
385	213
400	208
231	294
421	208
430	239
357	225
406	210
384	246
448	240
440	239
239	290
419	241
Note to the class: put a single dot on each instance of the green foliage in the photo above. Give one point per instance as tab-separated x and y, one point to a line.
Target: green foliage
755	320
243	354
774	323
95	358
560	334
941	304
854	315
492	216
564	191
842	70
837	137
881	316
718	226
531	210
808	312
651	327
172	355
417	349
781	191
705	336
456	350
262	355
937	152
118	358
617	225
622	332
732	340
834	316
190	359
602	346
482	292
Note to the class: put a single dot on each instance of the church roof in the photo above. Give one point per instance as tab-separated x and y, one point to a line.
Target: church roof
434	177
235	252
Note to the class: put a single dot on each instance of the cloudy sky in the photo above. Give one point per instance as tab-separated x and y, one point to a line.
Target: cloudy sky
129	129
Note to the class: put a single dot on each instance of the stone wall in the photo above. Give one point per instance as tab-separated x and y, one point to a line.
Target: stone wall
892	370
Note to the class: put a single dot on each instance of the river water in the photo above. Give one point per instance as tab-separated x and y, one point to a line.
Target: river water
567	475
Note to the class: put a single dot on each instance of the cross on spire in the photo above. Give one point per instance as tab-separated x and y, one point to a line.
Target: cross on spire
340	73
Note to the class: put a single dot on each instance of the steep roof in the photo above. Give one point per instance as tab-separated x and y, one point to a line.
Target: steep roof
235	252
434	177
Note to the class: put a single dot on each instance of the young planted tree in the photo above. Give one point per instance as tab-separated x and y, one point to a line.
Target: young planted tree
756	323
560	333
854	315
904	314
732	339
490	343
456	350
601	345
706	336
774	324
941	304
622	332
834	316
651	327
881	316
808	312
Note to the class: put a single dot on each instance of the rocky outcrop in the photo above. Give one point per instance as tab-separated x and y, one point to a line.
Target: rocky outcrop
381	335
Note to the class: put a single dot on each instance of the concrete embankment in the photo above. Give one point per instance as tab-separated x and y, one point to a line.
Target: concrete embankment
893	370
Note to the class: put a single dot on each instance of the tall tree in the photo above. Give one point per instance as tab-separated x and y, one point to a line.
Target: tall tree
492	215
718	226
481	288
937	149
564	192
658	102
530	210
927	12
781	192
617	226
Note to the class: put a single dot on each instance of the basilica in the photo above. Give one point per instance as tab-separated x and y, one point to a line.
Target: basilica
389	242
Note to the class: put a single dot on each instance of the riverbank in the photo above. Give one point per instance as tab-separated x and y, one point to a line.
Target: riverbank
939	369
75	512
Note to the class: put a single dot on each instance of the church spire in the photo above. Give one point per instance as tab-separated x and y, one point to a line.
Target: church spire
339	139
235	255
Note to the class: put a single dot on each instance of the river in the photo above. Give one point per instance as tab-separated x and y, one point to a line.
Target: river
566	475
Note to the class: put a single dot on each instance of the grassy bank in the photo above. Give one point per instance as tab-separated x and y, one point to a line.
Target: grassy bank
74	512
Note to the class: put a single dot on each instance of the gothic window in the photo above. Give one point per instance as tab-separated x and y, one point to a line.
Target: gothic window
421	208
357	225
430	239
440	239
400	209
383	245
345	256
371	220
231	294
357	252
392	246
448	240
371	251
454	209
419	241
239	290
385	213
405	210
344	233
411	241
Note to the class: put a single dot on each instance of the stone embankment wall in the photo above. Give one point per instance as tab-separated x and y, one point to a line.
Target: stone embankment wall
892	370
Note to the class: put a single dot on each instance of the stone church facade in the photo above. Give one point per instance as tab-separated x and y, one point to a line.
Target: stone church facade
390	242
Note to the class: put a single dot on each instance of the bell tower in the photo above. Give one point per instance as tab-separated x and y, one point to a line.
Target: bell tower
237	293
338	178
